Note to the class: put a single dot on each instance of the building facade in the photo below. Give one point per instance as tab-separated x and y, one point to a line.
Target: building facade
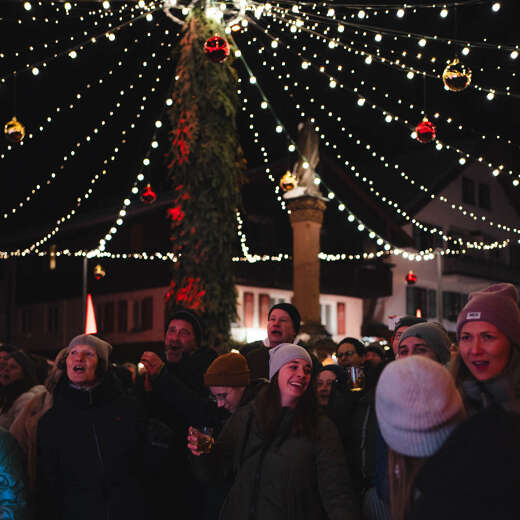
443	284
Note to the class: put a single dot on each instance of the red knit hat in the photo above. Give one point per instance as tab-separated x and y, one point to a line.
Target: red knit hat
228	370
496	304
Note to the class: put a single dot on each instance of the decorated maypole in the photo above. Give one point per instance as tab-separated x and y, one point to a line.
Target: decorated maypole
205	167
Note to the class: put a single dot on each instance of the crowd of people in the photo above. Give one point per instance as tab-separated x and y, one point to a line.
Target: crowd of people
429	430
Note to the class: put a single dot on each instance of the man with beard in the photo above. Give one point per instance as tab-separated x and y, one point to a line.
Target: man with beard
172	385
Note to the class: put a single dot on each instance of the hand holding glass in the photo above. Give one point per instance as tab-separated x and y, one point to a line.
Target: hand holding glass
357	378
200	442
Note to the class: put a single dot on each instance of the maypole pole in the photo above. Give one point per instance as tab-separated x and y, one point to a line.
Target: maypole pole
205	167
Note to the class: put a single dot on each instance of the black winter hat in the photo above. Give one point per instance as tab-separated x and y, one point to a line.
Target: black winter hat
191	318
291	310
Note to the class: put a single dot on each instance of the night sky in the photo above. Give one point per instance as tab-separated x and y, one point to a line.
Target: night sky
106	82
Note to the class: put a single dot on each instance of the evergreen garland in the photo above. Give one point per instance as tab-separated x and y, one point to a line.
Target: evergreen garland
205	169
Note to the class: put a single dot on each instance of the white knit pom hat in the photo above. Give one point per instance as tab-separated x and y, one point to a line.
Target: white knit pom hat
417	406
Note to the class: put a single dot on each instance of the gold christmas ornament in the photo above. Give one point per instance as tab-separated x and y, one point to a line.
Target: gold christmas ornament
14	131
456	76
288	181
99	272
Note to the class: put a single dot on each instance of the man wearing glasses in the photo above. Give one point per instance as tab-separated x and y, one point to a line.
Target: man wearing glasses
350	353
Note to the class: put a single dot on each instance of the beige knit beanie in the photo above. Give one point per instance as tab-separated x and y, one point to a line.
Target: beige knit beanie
417	406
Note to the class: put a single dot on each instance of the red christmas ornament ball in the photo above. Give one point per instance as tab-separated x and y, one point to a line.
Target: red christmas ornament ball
425	131
216	49
410	278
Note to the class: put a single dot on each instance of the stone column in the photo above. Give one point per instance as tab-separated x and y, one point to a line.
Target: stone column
306	218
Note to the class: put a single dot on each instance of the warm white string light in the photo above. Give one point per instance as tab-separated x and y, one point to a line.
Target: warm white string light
134	190
110	34
394	167
395	206
77	97
351	217
299	26
390	117
89	138
320	18
42	240
33	48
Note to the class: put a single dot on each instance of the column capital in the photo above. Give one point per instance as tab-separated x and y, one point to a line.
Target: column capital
306	209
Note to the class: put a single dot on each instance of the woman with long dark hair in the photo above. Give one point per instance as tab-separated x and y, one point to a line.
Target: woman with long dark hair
284	454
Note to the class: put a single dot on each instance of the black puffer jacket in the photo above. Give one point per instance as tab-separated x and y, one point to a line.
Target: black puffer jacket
89	450
290	478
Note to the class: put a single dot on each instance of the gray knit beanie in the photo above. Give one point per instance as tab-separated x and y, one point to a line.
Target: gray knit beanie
417	406
102	348
434	335
283	353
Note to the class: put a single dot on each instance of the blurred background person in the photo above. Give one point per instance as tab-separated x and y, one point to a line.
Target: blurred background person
374	355
428	339
19	384
5	350
350	352
400	327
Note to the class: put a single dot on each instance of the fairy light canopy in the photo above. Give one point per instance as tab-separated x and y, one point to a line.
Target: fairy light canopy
90	80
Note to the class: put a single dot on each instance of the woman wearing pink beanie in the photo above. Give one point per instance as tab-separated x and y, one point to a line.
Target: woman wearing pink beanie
487	369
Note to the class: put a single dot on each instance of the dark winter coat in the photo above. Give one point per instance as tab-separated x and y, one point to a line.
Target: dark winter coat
257	356
475	473
215	494
89	447
178	388
363	433
13	496
290	478
179	397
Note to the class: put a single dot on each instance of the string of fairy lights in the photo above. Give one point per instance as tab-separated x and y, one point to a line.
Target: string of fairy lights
390	117
318	17
361	226
366	11
109	34
449	119
279	128
394	167
89	138
68	8
78	96
134	190
298	25
79	200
